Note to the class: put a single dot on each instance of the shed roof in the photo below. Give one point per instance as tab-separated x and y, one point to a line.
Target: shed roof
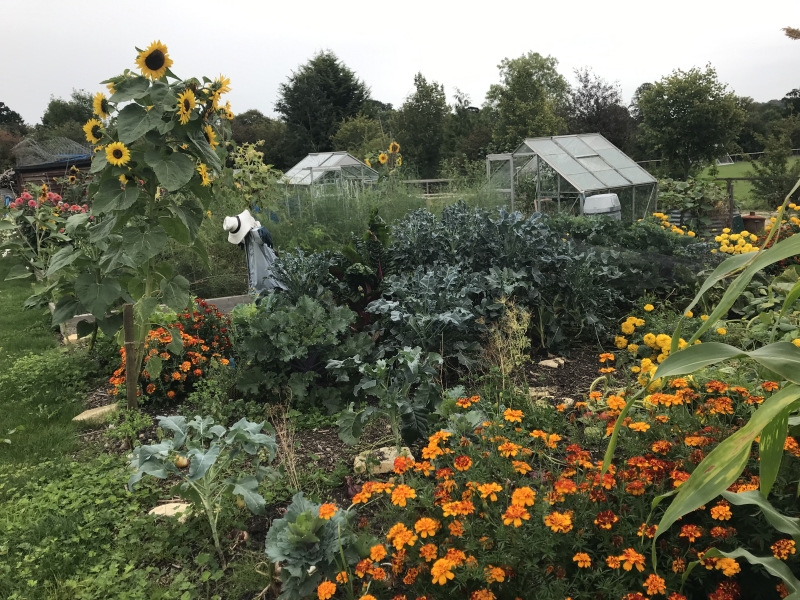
316	165
587	160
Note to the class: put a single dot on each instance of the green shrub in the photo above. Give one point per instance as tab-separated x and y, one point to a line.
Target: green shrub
63	373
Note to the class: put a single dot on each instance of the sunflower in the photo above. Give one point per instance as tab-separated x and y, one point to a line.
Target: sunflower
154	61
110	87
366	162
118	154
228	111
204	176
186	104
93	130
99	148
398	162
382	158
222	85
215	98
100	105
211	136
72	180
124	179
394	148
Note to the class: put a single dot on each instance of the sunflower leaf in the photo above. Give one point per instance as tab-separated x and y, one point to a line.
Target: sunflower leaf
173	171
208	155
134	121
141	245
130	89
113	196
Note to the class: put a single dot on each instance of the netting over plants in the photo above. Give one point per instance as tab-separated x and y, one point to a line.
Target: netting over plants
38	152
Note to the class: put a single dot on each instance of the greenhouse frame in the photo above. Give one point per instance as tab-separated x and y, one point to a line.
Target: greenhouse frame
339	170
558	173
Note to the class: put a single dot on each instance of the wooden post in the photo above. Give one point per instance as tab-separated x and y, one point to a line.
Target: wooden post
131	376
730	203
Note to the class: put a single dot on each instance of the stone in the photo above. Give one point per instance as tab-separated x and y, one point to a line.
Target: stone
568	402
380	460
172	509
550	363
96	415
540	392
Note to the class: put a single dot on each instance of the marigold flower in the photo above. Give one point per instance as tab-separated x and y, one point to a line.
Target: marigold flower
620	342
559	522
721	330
769	386
513	416
363	567
326	511
615	402
426	527
456	529
494	574
655	584
691	532
584	560
606	356
462	462
649	307
400	535
606	519
509	449
640	426
782	549
552	440
326	590
377	553
403	464
606	370
441	571
630	559
722	511
515	514
521	467
368	597
457	508
627	328
661	447
402	493
523	496
341	577
595	395
728	566
484	594
613	562
428	552
565	486
489	490
647	530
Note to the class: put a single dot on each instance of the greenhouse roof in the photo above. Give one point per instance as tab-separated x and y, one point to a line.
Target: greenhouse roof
315	166
588	161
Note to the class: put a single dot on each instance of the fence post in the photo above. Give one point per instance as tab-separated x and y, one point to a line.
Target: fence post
131	376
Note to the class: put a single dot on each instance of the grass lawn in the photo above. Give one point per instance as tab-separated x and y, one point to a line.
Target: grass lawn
742	190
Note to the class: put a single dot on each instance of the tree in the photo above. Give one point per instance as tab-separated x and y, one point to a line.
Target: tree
360	136
65	118
690	118
419	125
279	149
759	117
468	131
318	97
529	101
774	176
11	120
595	106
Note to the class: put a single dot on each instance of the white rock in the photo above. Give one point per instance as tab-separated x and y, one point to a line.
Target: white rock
172	509
550	363
384	456
97	415
568	402
540	392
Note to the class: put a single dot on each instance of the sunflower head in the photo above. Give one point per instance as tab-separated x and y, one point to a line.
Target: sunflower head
72	179
205	178
124	179
186	104
398	162
368	163
222	85
211	137
154	61
394	148
93	131
382	158
100	105
74	169
228	111
118	154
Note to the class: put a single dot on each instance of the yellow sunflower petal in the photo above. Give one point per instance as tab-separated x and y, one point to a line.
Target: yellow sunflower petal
118	154
154	61
100	105
93	130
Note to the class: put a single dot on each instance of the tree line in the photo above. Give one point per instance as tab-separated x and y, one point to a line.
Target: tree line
687	118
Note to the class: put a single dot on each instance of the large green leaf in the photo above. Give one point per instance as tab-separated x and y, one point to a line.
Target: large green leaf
132	88
6	225
133	121
173	171
101	230
64	257
781	357
112	195
247	488
770	450
191	214
773	566
142	245
99	162
176	229
76	221
175	292
66	308
784	524
96	296
210	157
717	471
202	461
18	272
154	366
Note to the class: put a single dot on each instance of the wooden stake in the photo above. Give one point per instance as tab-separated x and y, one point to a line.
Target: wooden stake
131	376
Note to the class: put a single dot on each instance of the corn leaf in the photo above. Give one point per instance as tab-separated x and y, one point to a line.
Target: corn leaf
724	463
784	524
772	565
770	450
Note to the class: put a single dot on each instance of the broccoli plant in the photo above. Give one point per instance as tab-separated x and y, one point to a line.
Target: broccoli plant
200	454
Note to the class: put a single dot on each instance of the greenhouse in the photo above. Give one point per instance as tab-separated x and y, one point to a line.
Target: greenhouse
555	174
338	170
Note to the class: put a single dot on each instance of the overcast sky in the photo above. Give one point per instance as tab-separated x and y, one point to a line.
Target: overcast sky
54	46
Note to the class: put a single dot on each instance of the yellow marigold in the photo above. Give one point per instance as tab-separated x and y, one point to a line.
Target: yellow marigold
559	522
655	585
513	416
509	449
441	571
521	467
782	549
584	560
640	426
627	328
494	574
721	330
489	490
633	348
688	314
523	496
326	590
728	566
515	514
402	493
326	511
426	527
630	559
722	511
648	307
620	342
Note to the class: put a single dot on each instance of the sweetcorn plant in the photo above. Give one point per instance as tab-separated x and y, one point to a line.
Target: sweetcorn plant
200	454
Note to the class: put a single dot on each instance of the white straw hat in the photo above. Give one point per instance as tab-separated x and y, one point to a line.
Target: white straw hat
239	226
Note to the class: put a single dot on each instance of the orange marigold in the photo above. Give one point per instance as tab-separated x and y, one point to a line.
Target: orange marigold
377	553
515	514
489	490
721	511
513	416
428	552
630	559
559	522
441	571
521	467
782	549
326	511
494	574
606	519
584	560
326	590
655	584
426	527
523	496
509	449
462	462
691	532
402	493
